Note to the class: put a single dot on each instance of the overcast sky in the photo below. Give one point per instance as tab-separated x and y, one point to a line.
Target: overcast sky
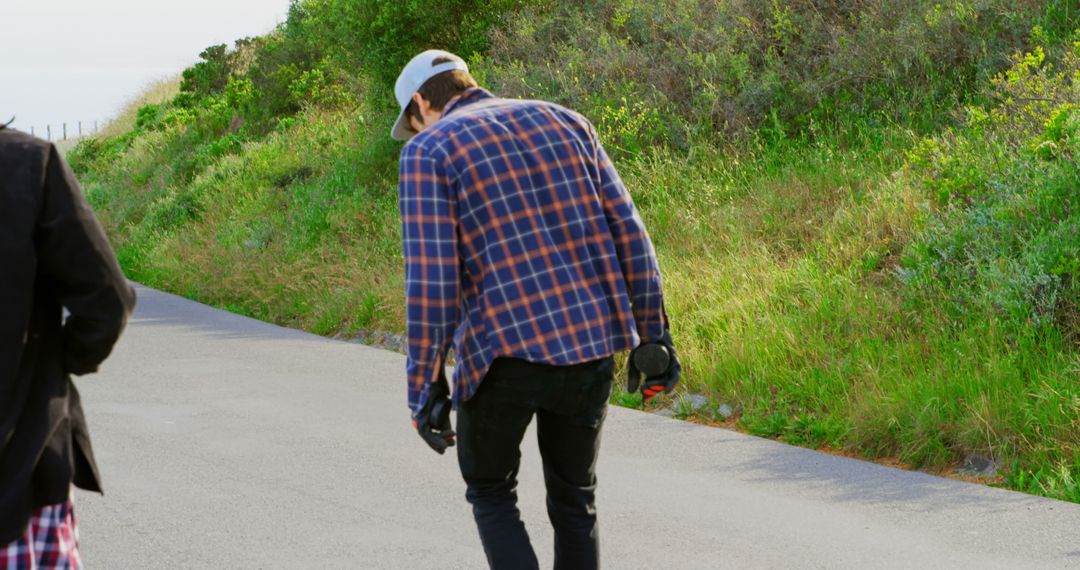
82	60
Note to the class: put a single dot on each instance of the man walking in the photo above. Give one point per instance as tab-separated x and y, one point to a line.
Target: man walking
524	251
53	257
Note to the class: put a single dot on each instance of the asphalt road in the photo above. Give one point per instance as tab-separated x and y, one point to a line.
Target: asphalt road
229	443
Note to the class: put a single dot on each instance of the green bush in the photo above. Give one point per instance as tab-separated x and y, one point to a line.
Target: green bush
378	37
717	69
210	75
1002	237
96	156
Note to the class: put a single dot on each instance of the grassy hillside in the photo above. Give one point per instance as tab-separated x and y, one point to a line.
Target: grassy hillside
866	213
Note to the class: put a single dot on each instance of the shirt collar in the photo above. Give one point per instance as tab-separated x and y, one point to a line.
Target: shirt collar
470	96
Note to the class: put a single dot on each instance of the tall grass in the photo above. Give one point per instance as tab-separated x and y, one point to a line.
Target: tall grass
155	92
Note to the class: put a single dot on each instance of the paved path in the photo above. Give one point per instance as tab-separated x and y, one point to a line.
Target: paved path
230	443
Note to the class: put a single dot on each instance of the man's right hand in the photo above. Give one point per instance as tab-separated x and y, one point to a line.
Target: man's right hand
648	361
432	422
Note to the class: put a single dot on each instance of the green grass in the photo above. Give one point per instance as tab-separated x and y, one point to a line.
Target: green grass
860	266
1056	480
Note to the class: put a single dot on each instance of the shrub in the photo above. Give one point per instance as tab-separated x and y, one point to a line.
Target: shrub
723	68
1002	237
380	37
210	75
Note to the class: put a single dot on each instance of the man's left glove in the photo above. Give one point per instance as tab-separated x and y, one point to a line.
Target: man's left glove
432	422
657	362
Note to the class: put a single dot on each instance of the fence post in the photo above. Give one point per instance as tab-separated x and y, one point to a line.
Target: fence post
48	133
65	132
80	129
31	131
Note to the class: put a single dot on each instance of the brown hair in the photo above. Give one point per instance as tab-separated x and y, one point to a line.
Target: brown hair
440	89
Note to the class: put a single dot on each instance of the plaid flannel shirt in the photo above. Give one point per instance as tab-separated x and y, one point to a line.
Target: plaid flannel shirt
51	540
520	240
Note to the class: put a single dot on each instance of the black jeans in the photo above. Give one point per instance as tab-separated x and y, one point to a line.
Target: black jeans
570	403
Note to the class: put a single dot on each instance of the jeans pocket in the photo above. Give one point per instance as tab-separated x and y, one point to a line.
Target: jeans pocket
595	393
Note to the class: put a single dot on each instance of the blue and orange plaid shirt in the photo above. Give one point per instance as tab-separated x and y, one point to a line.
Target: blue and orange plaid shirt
520	240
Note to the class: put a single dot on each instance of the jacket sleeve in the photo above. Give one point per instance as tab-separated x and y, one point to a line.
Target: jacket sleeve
76	258
637	257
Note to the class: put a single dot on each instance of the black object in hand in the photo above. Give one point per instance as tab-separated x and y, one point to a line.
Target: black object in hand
432	422
652	359
658	363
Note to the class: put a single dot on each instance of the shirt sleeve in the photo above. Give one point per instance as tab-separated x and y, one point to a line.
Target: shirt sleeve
432	287
637	257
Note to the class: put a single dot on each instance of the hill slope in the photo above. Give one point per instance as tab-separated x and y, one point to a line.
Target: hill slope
866	213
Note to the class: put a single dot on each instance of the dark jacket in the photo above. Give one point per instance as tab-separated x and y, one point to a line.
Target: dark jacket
53	256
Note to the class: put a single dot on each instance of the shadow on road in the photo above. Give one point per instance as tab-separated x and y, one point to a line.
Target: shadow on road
159	309
850	480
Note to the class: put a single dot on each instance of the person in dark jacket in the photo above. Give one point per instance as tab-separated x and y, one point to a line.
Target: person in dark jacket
54	257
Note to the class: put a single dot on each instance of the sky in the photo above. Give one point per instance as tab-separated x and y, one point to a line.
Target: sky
82	60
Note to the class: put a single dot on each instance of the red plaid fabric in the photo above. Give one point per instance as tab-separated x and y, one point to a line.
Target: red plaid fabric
50	541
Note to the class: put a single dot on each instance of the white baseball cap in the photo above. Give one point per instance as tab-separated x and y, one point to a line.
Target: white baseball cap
416	72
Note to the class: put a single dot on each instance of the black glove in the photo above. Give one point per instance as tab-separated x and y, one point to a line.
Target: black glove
659	365
432	422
